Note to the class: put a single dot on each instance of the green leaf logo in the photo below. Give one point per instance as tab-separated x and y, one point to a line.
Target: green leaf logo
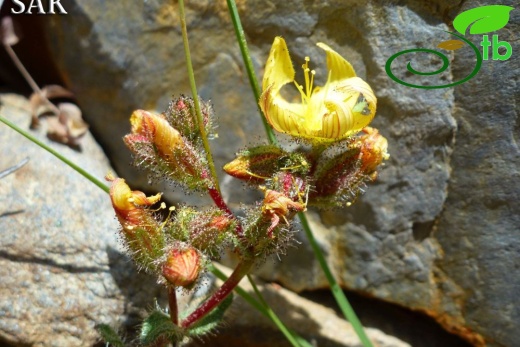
484	19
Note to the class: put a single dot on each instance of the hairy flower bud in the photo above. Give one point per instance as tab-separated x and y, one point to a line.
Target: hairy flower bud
339	179
182	267
141	232
163	149
373	150
181	115
257	164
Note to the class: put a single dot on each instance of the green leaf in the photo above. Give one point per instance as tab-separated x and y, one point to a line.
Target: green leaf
484	19
212	319
109	335
159	325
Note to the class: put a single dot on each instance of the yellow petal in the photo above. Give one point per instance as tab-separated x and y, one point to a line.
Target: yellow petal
282	115
339	121
278	69
339	68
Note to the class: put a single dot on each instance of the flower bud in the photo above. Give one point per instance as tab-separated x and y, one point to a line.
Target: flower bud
260	163
162	148
373	150
141	232
339	179
182	267
181	115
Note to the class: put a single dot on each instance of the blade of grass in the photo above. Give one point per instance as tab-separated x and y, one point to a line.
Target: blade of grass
81	171
241	39
191	77
336	290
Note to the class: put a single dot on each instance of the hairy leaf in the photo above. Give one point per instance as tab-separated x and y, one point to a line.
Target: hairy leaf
109	335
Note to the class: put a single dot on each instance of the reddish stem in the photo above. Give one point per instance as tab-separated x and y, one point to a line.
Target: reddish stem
221	204
241	270
172	301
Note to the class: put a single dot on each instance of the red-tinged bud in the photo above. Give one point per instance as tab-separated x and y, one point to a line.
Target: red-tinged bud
208	233
163	149
157	130
373	150
141	232
182	267
339	179
181	115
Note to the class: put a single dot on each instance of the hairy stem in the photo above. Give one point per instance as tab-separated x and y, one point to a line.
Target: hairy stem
213	301
172	302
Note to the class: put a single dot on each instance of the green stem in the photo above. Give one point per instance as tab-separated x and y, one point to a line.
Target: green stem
288	334
241	38
198	112
336	290
81	171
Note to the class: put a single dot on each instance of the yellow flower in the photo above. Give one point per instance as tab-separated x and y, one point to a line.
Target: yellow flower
342	107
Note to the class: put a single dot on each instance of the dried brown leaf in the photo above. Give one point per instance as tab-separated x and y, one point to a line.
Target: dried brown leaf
56	91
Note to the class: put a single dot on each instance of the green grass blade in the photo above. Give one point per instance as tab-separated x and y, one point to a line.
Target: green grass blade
81	171
241	39
336	290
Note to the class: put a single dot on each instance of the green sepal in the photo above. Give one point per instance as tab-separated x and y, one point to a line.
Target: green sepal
109	335
211	320
159	325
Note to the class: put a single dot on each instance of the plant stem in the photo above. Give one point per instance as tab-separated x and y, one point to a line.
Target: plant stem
288	334
336	290
81	171
246	57
191	77
172	302
240	271
28	78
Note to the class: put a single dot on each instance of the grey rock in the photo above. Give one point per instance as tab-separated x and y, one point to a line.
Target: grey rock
436	232
61	265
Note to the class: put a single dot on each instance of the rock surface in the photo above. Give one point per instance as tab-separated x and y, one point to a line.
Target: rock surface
60	263
436	232
319	325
